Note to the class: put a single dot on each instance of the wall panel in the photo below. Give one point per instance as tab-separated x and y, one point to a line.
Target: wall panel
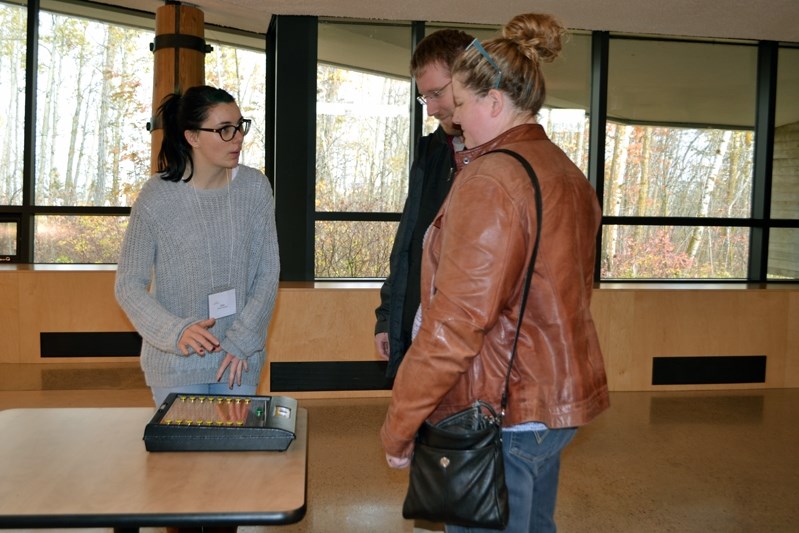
319	324
9	317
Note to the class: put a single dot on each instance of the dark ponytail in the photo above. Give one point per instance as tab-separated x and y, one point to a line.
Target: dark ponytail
181	113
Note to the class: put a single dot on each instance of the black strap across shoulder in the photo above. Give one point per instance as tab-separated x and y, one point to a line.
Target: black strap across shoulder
528	280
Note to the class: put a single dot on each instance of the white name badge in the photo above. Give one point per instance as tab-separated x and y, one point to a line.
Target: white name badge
222	304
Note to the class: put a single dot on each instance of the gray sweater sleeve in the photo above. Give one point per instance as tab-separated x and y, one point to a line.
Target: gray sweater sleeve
247	335
153	321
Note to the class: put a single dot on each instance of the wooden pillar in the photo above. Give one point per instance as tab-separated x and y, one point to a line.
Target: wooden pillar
179	58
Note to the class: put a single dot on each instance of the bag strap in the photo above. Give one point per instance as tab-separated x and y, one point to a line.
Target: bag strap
528	280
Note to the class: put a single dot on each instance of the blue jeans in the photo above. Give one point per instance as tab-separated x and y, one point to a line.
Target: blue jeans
160	393
532	465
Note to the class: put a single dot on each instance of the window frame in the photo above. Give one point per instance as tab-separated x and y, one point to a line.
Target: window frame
759	223
290	142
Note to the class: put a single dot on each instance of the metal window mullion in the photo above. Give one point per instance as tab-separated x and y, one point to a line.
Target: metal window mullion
765	105
294	41
417	112
25	228
598	113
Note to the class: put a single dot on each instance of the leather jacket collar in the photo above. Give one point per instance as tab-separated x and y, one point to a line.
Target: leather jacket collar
525	132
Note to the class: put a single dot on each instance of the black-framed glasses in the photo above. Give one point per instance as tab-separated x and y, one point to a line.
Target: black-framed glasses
226	133
475	43
434	95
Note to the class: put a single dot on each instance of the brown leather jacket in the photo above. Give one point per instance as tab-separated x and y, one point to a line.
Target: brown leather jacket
475	260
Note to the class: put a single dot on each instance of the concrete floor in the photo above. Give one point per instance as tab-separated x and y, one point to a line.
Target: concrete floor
721	461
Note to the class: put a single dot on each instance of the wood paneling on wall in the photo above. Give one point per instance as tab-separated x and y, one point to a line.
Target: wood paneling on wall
792	343
637	325
330	322
64	302
9	317
322	324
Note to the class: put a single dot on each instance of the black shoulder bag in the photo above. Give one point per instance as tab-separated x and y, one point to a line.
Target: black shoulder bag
457	472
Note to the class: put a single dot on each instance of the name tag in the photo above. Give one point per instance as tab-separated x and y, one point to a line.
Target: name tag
222	304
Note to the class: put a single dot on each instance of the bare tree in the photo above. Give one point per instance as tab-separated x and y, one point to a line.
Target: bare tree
719	148
12	56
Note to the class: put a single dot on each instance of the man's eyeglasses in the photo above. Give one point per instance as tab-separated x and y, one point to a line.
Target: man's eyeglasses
475	43
228	132
434	95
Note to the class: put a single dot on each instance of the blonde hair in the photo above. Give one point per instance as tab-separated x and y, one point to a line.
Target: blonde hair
527	41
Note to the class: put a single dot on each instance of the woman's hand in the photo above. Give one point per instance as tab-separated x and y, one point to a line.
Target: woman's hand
197	337
235	367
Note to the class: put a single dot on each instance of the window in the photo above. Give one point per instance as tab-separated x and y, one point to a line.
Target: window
679	150
93	102
565	114
682	193
362	140
783	256
13	20
238	65
78	238
363	119
8	241
94	82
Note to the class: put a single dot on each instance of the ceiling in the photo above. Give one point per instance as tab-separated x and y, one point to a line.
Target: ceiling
776	20
649	81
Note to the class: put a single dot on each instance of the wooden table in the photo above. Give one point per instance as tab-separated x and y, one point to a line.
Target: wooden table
87	467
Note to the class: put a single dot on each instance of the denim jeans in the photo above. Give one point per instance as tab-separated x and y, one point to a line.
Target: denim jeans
160	393
532	465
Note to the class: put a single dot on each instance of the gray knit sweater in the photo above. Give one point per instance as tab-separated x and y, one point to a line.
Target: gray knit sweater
177	251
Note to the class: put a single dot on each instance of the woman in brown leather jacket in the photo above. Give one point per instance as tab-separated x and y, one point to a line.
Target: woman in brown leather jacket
474	264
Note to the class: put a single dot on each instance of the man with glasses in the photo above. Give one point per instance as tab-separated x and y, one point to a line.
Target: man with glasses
429	182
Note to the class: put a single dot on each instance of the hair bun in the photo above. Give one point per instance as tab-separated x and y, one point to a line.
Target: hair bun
538	36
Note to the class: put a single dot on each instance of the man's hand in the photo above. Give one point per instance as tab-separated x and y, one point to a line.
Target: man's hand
381	344
398	462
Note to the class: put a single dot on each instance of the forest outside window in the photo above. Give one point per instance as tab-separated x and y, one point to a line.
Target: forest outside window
92	147
93	103
94	94
238	64
679	145
13	20
79	239
363	136
8	240
679	184
362	145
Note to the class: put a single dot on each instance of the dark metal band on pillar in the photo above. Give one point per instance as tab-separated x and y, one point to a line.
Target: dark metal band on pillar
176	41
181	28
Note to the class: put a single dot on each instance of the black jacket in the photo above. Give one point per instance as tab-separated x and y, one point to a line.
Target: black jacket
429	182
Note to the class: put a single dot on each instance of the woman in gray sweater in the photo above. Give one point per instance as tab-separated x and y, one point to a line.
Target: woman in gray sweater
199	266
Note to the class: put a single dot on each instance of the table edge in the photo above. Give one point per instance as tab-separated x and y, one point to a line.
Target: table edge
94	520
